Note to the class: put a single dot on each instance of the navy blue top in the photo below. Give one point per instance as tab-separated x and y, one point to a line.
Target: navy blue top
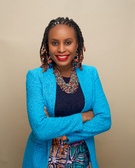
68	104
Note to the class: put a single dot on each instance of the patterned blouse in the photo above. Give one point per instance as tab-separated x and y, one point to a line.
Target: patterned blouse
62	154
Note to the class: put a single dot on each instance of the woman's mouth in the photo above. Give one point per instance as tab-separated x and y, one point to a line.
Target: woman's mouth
62	57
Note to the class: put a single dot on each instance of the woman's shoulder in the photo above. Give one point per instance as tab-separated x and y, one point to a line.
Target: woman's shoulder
36	69
38	73
87	71
89	68
34	72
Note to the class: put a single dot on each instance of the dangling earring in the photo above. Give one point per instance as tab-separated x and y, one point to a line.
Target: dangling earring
81	59
76	61
49	61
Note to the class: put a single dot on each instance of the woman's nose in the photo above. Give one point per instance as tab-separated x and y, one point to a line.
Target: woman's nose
61	48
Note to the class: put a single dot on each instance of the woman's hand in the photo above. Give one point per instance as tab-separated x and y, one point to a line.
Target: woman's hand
46	112
86	116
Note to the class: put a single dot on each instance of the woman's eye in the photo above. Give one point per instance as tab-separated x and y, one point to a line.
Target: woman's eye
54	43
68	42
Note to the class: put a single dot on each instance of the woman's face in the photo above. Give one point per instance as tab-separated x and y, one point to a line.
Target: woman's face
62	45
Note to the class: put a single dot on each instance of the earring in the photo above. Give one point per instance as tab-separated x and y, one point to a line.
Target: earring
49	61
81	59
76	61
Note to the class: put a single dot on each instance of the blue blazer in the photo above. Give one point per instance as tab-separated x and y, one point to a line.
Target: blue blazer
41	92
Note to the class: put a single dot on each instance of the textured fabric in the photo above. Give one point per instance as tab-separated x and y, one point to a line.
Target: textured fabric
71	103
75	155
41	92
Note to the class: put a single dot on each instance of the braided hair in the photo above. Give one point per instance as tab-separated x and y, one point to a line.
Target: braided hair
44	49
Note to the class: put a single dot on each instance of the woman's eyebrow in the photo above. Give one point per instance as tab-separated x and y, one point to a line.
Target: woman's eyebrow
54	39
59	40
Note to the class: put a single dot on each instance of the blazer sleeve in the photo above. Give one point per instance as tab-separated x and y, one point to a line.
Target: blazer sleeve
102	117
43	127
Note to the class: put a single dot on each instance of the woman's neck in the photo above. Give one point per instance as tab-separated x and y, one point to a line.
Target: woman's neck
65	71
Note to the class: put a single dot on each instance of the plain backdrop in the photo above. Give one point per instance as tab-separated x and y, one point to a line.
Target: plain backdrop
108	28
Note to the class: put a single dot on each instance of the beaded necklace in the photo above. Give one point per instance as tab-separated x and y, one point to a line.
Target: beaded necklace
70	87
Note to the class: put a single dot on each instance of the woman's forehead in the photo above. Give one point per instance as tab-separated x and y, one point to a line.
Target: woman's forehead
62	30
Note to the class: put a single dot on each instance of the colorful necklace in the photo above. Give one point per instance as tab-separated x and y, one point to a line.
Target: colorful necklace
70	87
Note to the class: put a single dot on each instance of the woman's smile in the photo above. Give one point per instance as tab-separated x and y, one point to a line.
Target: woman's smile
62	57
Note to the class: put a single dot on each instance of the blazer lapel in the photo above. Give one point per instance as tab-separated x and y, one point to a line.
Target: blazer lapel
49	89
86	86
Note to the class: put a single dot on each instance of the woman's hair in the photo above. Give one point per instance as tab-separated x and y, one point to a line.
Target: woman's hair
44	49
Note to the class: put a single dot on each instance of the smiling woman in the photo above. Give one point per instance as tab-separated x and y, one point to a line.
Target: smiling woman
66	103
63	47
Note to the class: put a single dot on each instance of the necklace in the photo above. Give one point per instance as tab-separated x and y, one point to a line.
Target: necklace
70	87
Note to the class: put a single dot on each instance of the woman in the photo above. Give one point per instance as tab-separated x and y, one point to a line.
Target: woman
66	104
